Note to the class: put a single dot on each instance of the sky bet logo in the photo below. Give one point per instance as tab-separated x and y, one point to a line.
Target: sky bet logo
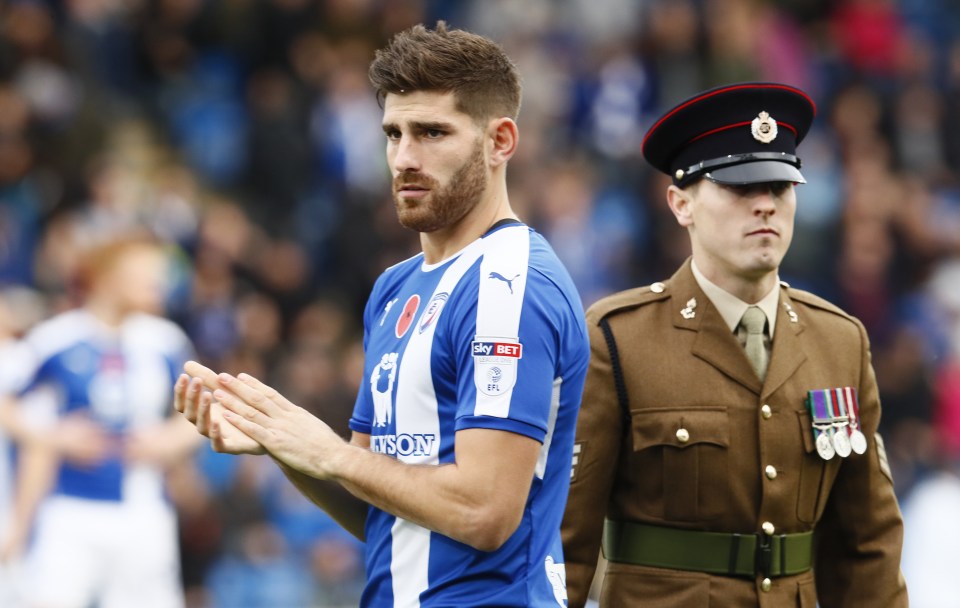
497	349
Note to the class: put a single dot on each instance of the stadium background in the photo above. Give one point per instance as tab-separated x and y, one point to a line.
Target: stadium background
244	132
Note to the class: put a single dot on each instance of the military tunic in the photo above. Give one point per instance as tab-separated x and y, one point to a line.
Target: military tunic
677	430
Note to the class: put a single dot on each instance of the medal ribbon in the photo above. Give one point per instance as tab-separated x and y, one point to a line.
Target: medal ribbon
817	403
822	423
854	405
839	408
821	413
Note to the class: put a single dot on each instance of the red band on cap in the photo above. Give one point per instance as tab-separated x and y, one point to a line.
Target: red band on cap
739	124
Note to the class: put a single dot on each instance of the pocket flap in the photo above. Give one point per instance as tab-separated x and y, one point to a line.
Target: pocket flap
680	427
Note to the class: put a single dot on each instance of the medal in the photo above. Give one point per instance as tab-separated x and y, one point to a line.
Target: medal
836	422
824	445
840	422
822	424
841	441
858	441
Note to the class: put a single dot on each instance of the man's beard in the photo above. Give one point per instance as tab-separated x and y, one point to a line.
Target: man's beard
443	207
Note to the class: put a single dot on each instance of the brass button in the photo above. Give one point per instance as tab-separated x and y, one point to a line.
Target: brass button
771	472
683	435
768	528
765	411
657	287
766	584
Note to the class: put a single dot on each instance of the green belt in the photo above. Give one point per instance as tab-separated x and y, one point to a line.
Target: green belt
714	552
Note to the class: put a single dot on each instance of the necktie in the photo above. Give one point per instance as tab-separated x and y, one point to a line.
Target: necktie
753	322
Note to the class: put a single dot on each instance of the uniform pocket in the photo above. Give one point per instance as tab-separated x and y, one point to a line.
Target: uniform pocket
691	447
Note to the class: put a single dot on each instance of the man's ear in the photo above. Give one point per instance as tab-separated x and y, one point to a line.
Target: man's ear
680	201
505	136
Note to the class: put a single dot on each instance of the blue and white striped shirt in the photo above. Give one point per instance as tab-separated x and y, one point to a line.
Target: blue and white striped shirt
121	378
492	338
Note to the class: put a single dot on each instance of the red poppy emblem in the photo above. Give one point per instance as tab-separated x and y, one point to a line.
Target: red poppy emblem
406	316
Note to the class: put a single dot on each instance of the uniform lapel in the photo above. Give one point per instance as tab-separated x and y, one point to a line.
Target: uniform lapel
787	353
715	343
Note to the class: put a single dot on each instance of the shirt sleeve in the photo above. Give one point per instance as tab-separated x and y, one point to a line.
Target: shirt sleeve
597	446
362	419
19	366
507	378
857	548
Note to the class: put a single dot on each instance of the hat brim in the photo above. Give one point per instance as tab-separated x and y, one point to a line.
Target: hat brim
756	173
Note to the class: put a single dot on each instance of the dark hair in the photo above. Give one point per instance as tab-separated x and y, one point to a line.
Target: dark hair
485	82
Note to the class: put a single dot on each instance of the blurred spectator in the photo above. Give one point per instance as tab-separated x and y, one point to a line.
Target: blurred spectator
674	32
262	574
931	540
868	33
593	230
278	166
733	52
21	202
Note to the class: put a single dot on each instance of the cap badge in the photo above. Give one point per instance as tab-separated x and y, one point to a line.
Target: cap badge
764	128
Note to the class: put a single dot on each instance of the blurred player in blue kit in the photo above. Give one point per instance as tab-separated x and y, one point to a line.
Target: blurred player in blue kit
91	411
458	467
14	320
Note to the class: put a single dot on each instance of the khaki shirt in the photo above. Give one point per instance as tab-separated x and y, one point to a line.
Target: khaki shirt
731	308
681	367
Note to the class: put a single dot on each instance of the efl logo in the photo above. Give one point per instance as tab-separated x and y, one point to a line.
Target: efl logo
513	350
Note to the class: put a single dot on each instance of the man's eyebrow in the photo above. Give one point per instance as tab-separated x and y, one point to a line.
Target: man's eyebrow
430	125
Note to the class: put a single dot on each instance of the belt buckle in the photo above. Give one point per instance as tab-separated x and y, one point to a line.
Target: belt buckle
764	559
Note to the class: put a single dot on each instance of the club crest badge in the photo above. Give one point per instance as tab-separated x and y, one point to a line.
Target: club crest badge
764	128
433	311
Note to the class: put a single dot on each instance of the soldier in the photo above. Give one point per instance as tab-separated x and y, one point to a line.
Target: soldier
726	449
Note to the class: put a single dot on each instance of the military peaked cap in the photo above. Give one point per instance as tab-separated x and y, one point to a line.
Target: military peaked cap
742	133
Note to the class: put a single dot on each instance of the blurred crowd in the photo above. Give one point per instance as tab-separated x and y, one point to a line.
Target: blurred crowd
245	135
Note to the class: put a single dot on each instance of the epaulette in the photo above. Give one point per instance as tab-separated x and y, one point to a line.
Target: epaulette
815	301
626	300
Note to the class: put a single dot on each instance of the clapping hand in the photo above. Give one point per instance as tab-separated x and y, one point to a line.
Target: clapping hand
198	406
243	412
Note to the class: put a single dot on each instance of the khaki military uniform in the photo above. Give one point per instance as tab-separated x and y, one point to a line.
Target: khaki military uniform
677	431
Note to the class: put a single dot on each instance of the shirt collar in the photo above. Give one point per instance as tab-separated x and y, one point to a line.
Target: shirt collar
731	308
